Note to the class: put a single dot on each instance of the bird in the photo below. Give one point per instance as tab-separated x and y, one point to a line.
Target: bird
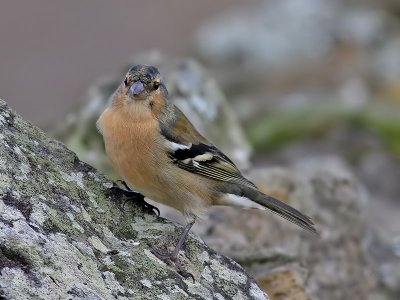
158	152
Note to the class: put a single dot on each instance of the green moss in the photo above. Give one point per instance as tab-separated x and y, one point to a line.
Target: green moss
275	132
385	125
58	223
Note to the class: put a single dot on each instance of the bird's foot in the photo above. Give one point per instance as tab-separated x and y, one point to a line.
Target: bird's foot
163	255
173	257
135	197
181	271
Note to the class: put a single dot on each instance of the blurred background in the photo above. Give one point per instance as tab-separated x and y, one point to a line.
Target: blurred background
303	94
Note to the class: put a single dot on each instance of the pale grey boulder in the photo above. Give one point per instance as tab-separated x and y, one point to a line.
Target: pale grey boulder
64	235
287	261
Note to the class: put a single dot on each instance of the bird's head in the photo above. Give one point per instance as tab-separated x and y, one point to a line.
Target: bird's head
142	88
142	83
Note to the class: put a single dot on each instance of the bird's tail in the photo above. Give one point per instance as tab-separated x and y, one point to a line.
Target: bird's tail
280	208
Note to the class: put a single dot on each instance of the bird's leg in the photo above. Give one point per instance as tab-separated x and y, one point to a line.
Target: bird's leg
173	255
178	247
127	188
135	196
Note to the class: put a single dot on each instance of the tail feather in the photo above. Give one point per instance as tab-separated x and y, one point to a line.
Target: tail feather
282	209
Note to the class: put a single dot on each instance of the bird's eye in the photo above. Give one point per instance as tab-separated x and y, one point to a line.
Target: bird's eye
156	85
126	81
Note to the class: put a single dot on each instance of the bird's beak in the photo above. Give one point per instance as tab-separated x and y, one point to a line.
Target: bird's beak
137	88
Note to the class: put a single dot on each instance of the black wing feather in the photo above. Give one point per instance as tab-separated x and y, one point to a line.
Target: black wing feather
207	160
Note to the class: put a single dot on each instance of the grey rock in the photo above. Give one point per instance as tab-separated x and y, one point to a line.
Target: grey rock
382	245
289	44
270	36
63	234
325	189
362	25
386	62
375	162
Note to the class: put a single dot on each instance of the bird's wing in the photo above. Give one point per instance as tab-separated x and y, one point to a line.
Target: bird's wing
190	151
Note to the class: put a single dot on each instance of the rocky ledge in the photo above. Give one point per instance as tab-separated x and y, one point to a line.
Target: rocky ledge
65	235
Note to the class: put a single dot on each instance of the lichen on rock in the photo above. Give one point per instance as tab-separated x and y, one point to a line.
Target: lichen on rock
64	234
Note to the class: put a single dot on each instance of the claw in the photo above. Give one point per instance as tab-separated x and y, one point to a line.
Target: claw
159	254
185	274
135	197
173	255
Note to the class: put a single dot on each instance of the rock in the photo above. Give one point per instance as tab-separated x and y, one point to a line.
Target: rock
288	261
271	35
368	139
63	234
284	284
360	25
382	245
190	88
276	37
385	64
284	55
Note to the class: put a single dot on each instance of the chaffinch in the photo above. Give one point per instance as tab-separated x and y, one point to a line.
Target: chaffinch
156	150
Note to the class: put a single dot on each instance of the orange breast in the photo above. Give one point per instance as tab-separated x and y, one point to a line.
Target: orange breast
137	152
130	146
